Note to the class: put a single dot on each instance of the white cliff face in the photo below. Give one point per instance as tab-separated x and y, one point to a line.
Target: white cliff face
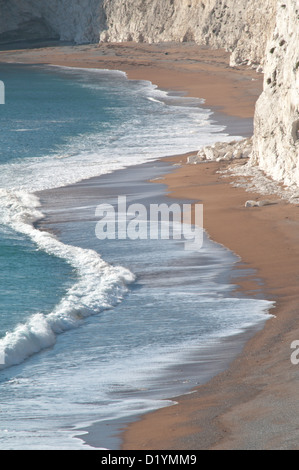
69	20
276	136
245	28
242	27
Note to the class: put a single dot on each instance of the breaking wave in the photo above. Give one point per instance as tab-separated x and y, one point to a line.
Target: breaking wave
99	285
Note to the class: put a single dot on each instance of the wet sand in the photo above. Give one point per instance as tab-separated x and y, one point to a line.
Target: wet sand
197	365
253	404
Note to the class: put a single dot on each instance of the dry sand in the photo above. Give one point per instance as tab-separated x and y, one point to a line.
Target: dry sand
253	404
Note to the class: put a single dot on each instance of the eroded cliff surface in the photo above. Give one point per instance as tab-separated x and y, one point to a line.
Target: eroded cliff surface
242	27
276	123
68	20
256	33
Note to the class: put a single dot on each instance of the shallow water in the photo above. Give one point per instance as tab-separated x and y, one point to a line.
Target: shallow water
90	330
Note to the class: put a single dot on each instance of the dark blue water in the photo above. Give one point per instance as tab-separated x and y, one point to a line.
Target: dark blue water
31	281
43	110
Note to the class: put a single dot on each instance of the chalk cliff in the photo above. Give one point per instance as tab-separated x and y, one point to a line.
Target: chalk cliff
68	20
276	135
242	27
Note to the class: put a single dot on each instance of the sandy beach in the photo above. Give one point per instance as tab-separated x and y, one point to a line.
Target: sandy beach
250	406
253	404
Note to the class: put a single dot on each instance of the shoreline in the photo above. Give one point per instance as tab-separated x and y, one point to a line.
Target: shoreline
212	360
243	407
187	68
261	382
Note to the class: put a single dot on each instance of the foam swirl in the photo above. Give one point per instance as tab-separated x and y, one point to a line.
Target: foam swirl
99	285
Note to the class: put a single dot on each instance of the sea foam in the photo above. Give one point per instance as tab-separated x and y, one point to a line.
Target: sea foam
99	285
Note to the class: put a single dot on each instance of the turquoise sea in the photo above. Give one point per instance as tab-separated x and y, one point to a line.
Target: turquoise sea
99	331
